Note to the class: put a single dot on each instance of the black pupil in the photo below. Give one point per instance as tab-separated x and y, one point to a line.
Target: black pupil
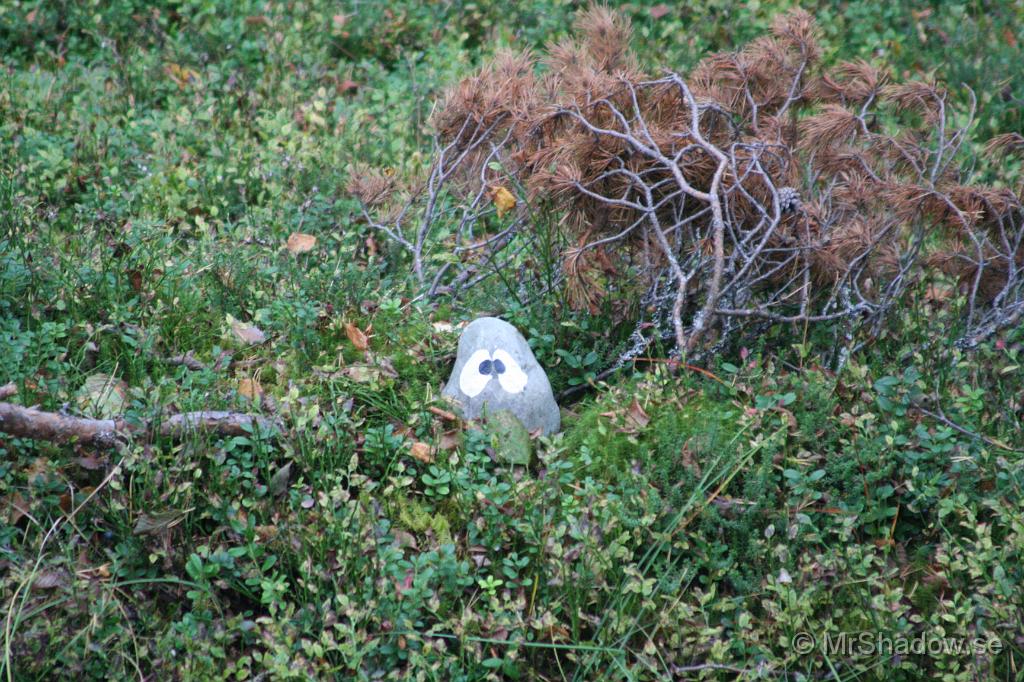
488	367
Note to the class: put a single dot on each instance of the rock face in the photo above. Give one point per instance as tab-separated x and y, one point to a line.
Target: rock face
496	370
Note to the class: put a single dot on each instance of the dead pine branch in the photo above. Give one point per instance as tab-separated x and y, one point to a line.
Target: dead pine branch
761	187
23	422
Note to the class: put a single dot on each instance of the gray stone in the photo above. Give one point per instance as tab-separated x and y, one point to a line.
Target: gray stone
495	369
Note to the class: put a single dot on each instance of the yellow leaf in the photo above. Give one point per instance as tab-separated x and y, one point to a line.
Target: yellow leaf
181	75
250	388
299	242
422	452
504	201
357	336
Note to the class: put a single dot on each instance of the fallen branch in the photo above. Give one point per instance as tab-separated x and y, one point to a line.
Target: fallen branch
23	422
186	360
189	361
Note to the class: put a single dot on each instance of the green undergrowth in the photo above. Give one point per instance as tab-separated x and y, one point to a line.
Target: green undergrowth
155	160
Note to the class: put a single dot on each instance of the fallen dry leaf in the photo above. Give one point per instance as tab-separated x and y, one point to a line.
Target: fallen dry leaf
17	508
248	334
362	374
422	452
91	462
636	415
358	338
504	201
450	440
49	580
101	571
151	524
181	75
266	533
250	388
102	396
1009	37
279	481
405	539
300	242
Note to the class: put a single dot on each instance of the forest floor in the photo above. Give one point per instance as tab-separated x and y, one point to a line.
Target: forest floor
176	235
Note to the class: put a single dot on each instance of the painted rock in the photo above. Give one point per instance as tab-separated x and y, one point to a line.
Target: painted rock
496	370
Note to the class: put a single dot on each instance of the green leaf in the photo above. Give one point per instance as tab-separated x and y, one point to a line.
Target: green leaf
509	438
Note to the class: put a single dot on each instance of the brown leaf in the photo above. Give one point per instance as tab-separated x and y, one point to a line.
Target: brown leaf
102	571
1009	37
48	580
362	374
250	388
40	468
151	524
790	418
299	242
405	539
387	368
17	507
358	338
422	452
450	440
266	533
636	415
91	462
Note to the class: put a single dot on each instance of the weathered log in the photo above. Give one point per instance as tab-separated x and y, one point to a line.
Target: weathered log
23	422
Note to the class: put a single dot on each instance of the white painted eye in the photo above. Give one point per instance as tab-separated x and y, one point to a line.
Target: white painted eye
472	378
510	376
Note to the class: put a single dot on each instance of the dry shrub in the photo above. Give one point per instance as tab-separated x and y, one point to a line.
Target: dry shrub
762	186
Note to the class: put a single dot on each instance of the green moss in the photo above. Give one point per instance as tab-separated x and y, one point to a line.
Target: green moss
415	517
